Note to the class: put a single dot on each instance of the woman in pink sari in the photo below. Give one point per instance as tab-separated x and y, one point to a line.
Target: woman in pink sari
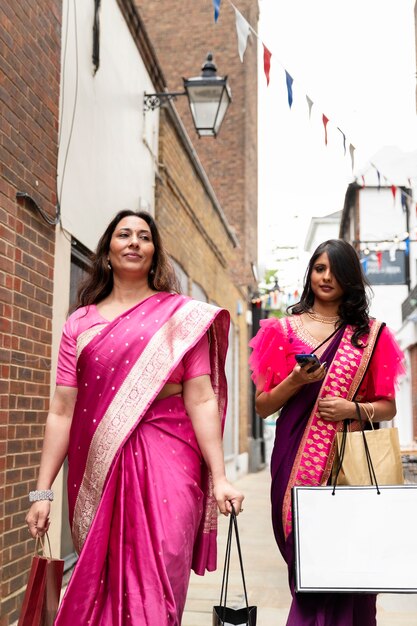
139	409
360	362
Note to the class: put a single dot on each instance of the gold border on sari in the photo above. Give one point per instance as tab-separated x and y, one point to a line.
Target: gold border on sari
317	445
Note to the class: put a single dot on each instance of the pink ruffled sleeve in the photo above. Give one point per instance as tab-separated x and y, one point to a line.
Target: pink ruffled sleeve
268	359
386	366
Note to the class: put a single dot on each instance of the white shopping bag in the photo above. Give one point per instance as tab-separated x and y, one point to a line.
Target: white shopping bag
355	539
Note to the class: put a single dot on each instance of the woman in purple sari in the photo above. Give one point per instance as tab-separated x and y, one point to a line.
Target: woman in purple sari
139	409
360	361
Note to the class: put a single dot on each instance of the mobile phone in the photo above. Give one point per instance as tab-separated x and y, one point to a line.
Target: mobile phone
310	360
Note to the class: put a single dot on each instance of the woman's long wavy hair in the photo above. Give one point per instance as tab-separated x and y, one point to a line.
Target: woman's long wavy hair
346	268
99	282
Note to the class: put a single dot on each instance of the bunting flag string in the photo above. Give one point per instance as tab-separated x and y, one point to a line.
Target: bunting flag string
243	31
404	195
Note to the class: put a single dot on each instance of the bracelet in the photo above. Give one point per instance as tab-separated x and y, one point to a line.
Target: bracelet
369	411
42	494
372	411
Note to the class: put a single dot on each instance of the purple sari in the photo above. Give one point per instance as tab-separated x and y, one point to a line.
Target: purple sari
141	505
303	455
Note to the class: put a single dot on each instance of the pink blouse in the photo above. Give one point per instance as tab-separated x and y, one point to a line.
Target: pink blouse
196	362
278	340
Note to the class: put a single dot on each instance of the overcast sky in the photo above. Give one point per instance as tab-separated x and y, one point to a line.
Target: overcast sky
355	59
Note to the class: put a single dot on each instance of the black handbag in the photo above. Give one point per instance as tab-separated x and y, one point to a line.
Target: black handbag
222	614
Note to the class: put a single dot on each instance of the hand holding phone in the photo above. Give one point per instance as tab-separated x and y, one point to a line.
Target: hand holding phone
308	360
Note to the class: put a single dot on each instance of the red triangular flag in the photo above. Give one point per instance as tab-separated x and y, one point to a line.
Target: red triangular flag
325	120
267	62
394	191
379	259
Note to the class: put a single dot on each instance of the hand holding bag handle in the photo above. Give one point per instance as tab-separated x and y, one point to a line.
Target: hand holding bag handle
41	599
223	614
371	469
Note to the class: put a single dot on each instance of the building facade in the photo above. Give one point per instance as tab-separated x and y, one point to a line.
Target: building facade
76	147
378	223
181	44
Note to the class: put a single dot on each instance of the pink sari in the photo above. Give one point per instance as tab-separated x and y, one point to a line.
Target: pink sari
141	506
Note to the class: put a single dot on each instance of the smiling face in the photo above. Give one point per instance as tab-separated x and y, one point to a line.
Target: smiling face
131	247
323	283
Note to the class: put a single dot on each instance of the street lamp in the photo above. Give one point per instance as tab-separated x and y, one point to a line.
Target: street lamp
208	95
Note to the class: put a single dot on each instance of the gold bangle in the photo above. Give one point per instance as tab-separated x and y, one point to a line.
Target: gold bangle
369	411
372	408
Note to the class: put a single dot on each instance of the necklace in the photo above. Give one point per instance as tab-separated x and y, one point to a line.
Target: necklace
324	319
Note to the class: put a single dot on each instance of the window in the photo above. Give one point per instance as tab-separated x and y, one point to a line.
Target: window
198	293
181	275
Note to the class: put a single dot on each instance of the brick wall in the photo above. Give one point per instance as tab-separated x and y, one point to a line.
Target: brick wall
182	38
30	65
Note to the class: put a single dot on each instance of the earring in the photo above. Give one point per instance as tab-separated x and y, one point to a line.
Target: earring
152	271
109	264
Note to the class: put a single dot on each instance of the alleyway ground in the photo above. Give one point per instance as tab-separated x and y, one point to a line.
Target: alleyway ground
265	571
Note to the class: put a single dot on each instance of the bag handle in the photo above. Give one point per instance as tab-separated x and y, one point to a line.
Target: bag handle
40	540
225	580
371	469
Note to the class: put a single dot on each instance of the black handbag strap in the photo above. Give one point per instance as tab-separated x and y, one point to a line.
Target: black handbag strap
371	469
225	580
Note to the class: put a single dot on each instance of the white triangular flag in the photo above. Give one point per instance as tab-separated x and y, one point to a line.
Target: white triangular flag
243	29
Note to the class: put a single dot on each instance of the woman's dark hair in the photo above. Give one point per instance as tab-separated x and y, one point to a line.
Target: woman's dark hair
99	281
347	269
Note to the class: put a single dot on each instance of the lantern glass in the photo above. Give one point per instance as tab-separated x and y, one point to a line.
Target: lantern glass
209	99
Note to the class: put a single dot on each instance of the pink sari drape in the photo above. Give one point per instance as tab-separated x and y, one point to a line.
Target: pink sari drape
141	507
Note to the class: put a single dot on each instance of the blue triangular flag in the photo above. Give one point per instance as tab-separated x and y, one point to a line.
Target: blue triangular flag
289	81
344	139
216	5
403	201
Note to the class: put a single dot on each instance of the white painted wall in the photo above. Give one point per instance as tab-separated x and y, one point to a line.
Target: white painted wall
386	304
108	161
380	216
321	229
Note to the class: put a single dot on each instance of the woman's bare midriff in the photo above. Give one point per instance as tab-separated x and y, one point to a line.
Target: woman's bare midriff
170	389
